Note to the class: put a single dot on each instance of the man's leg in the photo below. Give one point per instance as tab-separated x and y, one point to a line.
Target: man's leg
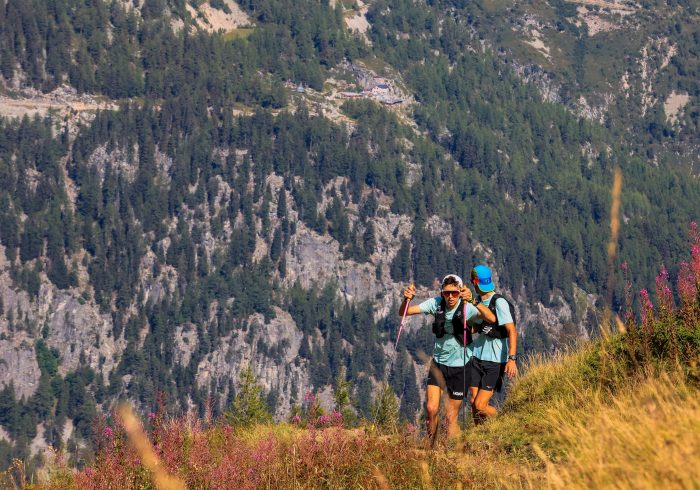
452	417
473	393
481	406
432	406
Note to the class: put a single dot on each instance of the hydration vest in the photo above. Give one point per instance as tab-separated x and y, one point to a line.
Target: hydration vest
457	323
495	330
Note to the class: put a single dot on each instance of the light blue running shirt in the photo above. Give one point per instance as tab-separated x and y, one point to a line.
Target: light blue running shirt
487	348
448	351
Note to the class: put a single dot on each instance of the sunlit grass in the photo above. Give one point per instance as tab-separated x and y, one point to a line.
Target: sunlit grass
238	33
637	439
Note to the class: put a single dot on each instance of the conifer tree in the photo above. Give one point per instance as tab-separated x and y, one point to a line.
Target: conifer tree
249	406
342	395
386	407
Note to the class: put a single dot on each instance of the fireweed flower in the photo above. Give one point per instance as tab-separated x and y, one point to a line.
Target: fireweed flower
647	308
696	262
336	418
664	291
686	284
629	314
108	432
296	420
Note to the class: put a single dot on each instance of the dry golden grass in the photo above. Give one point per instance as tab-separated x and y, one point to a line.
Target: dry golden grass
646	437
562	426
583	419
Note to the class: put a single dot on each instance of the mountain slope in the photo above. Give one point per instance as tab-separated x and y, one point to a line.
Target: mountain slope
607	413
211	217
631	66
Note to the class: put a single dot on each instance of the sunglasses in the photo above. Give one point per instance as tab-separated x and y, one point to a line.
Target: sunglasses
451	293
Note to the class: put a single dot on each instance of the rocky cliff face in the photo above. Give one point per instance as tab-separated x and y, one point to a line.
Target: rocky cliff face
71	325
75	327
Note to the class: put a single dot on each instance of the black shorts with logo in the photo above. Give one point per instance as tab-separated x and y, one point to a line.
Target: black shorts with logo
486	375
450	379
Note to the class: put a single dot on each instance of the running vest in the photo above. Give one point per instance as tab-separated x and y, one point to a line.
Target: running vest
457	323
494	329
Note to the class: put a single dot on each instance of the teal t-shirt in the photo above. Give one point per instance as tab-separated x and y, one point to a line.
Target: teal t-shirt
487	348
447	350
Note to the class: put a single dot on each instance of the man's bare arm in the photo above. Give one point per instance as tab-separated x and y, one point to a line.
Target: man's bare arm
511	366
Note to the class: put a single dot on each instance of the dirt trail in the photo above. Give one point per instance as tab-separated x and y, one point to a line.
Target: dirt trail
42	104
619	7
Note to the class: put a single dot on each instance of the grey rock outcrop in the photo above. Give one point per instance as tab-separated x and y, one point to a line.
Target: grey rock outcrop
270	349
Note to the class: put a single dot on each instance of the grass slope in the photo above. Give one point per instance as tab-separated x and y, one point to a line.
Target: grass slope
585	419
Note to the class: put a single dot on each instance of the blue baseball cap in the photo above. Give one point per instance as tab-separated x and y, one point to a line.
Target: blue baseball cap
483	274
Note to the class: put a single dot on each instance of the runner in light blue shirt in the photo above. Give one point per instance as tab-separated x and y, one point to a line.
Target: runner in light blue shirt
494	349
447	368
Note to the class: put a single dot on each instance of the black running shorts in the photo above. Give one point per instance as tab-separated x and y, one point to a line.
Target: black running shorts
451	379
486	375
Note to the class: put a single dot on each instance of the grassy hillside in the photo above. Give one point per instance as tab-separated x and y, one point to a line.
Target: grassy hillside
570	432
612	413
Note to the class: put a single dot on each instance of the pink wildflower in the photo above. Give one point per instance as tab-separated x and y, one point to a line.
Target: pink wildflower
151	415
108	432
296	420
686	284
336	418
629	314
647	308
696	262
663	291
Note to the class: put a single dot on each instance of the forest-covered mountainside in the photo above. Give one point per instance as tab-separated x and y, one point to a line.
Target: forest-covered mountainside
633	66
632	394
226	207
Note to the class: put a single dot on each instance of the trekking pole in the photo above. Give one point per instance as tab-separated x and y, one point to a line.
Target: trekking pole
396	354
464	368
403	322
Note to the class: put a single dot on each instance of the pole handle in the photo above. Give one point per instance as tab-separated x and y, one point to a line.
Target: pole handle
403	321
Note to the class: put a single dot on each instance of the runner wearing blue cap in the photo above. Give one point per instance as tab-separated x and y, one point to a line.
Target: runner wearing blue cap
494	348
451	310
